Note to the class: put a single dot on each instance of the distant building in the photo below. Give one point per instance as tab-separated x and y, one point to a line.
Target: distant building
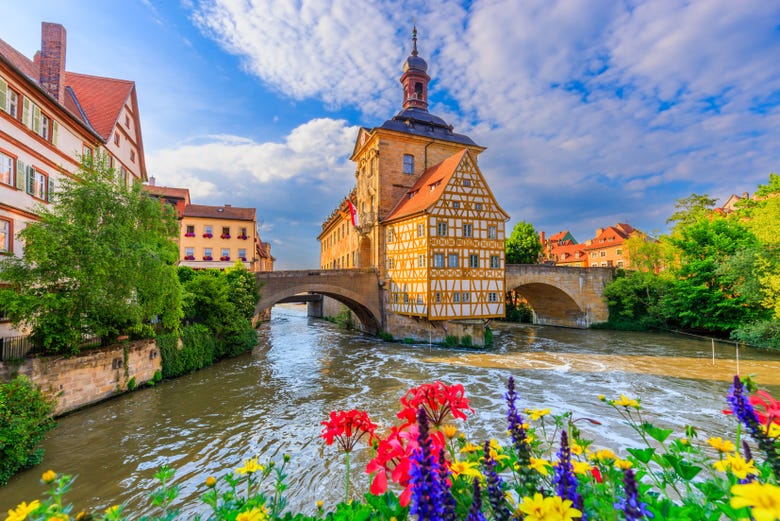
215	236
552	246
731	204
607	248
49	118
421	214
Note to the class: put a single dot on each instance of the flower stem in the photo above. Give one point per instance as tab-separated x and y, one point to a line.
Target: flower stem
347	480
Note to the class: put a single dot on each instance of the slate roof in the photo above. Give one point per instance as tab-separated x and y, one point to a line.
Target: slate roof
420	122
428	188
166	191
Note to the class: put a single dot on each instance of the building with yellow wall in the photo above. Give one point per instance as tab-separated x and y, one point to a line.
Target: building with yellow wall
424	217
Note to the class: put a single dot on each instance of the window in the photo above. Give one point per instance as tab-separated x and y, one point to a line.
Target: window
225	255
421	261
242	254
594	264
389	263
467	182
620	264
116	138
603	264
419	299
465	296
492	296
406	298
478	206
9	99
441	229
408	164
468	230
127	121
225	232
437	297
207	254
438	260
189	253
456	297
36	183
6	169
207	231
474	260
603	253
452	260
243	234
5	236
395	298
495	261
456	204
390	235
593	255
619	252
45	127
132	156
491	232
420	230
190	231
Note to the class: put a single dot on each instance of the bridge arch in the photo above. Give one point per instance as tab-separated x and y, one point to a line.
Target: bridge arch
358	289
561	296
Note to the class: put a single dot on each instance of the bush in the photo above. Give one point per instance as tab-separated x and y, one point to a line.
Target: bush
451	340
25	416
408	340
520	312
764	334
197	351
385	336
488	337
466	341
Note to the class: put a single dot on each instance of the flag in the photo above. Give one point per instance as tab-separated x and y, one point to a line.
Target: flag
353	213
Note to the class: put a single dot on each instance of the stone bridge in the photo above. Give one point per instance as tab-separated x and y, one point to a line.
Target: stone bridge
561	296
358	289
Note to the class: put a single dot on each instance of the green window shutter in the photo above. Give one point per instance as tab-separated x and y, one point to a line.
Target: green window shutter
36	119
30	179
20	177
26	112
3	94
50	189
55	127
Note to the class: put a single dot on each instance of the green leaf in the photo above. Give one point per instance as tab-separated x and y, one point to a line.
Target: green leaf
643	455
656	433
683	469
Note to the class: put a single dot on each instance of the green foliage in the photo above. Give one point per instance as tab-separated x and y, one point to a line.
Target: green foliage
523	245
466	341
344	318
100	262
763	333
488	337
451	340
25	417
197	350
634	300
408	340
691	209
385	336
131	384
519	312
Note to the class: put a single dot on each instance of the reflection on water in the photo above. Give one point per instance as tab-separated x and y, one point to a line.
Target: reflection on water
272	402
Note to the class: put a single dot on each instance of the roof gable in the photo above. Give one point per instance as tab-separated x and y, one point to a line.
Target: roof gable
101	99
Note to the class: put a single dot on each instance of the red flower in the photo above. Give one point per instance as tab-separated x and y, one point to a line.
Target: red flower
770	406
596	474
347	427
438	400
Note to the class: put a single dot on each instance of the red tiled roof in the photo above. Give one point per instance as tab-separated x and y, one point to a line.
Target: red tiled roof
219	212
101	98
611	236
165	191
428	188
558	236
20	61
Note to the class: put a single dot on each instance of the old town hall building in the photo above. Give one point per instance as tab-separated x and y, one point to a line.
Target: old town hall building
423	215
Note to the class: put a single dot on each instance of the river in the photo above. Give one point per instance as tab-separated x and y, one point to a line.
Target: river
271	402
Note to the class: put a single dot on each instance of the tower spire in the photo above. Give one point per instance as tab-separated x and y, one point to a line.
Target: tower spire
415	79
414	40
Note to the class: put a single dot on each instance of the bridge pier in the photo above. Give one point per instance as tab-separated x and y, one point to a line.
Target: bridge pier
314	309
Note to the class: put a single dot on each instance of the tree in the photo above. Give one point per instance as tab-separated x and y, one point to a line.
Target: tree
101	261
523	246
691	209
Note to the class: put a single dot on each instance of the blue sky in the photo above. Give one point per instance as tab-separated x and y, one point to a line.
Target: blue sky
593	112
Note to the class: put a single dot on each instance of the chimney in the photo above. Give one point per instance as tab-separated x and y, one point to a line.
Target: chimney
541	237
599	231
52	60
152	180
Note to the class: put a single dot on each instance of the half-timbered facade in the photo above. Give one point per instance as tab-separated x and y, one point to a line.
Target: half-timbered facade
425	216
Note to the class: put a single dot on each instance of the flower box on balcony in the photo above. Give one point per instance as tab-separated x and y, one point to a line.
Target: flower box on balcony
189	257
243	237
189	234
207	257
224	258
243	259
207	235
225	236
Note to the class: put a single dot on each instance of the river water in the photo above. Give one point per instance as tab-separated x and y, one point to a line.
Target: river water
271	402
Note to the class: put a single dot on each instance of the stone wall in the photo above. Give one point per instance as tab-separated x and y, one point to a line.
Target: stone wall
91	376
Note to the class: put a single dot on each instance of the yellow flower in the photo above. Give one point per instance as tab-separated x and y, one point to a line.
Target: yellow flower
772	430
450	431
540	466
721	445
534	509
625	401
763	499
250	467
469	447
465	468
580	467
496	451
48	476
684	441
21	510
57	517
623	464
604	455
80	515
113	512
575	448
737	465
602	398
256	514
537	414
211	481
562	510
319	504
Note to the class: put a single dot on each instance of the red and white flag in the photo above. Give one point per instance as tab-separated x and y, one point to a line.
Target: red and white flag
353	213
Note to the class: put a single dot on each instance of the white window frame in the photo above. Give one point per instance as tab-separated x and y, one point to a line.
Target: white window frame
441	228
468	230
495	261
408	164
474	260
438	260
7	164
453	260
492	232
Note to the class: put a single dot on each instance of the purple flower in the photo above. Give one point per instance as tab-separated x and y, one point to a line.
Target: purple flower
564	480
743	410
529	478
630	505
424	476
494	487
475	512
447	499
